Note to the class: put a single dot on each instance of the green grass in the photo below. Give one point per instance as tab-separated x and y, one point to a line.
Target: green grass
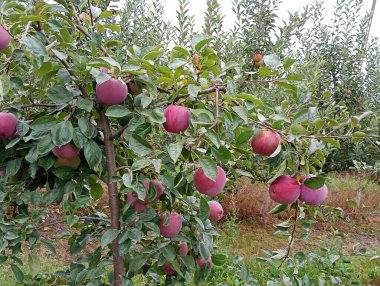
248	239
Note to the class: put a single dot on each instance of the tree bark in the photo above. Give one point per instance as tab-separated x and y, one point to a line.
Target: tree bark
113	192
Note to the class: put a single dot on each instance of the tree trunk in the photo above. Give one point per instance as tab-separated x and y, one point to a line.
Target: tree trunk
113	192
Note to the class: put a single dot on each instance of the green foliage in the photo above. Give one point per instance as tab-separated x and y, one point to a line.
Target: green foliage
49	80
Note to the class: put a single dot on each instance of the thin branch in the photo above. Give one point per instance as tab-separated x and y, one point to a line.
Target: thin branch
122	168
119	132
217	109
163	90
94	218
84	31
291	237
91	17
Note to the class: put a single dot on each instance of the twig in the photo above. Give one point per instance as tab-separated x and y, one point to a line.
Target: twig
163	90
91	17
122	168
291	237
94	218
217	109
80	27
120	131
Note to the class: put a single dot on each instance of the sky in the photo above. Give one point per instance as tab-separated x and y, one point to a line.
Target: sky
198	7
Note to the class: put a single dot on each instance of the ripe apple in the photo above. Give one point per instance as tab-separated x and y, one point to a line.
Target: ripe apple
111	92
2	174
136	203
68	151
159	189
173	228
259	64
257	57
313	197
73	163
348	91
183	248
134	88
166	267
285	190
177	118
196	58
8	125
265	142
5	38
207	186
202	263
216	211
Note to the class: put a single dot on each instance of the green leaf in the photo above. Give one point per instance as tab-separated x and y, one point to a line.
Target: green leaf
137	262
155	115
315	182
199	41
209	167
204	209
35	46
176	63
13	166
251	98
279	208
59	94
96	191
109	236
272	60
87	128
242	112
193	90
92	153
62	133
117	111
219	259
139	145
141	164
169	252
17	272
222	154
175	150
84	103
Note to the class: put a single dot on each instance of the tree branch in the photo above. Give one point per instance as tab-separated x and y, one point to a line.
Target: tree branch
91	17
291	237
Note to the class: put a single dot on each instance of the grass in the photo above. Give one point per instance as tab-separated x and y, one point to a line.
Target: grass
247	238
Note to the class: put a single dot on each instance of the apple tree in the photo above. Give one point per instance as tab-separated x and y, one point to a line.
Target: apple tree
159	133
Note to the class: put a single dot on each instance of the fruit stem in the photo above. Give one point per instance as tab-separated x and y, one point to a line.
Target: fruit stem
113	192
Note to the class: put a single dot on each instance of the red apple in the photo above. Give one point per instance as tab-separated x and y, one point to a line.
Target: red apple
68	151
159	189
8	125
5	38
136	203
177	118
2	174
196	58
183	248
166	267
348	91
313	197
216	211
111	92
173	228
259	63
201	262
257	57
73	163
265	142
133	88
285	190
207	186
